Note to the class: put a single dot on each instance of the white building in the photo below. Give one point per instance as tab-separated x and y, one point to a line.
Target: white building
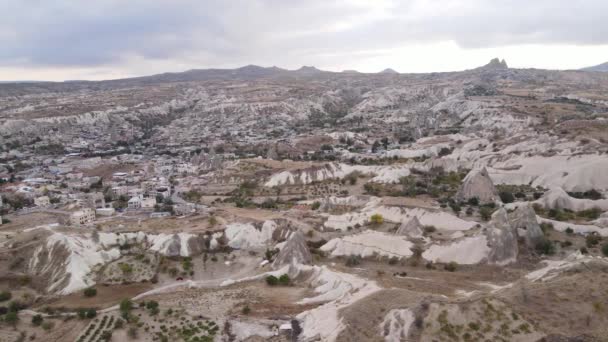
140	202
105	211
82	217
42	201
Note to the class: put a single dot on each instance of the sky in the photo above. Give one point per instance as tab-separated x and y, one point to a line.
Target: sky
59	40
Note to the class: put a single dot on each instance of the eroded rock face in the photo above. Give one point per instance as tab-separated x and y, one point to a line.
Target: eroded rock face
477	184
412	228
523	220
502	239
295	251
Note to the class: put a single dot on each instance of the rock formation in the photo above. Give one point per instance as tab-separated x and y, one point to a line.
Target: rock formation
496	63
412	228
295	251
502	239
523	219
477	184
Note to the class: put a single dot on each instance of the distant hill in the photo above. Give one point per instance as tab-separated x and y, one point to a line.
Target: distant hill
388	71
601	67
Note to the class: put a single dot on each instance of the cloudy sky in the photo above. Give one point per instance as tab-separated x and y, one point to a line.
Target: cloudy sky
102	39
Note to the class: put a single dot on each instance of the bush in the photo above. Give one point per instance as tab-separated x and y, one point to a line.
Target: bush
353	260
450	267
90	292
592	240
506	197
474	201
377	219
91	313
605	249
132	333
584	250
284	280
455	207
246	310
485	213
47	326
569	230
5	295
37	320
315	206
272	280
545	246
11	318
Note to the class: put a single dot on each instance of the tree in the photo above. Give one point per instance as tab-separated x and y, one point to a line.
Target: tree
377	219
37	320
91	313
126	305
90	292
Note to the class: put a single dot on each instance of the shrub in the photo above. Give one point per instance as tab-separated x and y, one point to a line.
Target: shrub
37	320
11	318
393	261
474	201
506	197
246	310
5	295
90	313
272	280
455	207
90	292
284	280
485	213
569	230
584	250
605	249
376	219
353	260
450	267
545	246
592	240
315	206
47	326
125	268
119	323
132	333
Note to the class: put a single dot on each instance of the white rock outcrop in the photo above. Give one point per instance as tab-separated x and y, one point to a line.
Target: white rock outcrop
477	184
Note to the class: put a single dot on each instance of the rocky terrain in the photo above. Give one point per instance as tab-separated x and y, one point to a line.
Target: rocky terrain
263	204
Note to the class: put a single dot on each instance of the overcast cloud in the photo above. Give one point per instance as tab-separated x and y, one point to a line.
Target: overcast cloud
63	39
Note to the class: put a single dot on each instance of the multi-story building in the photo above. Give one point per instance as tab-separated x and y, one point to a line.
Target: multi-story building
82	217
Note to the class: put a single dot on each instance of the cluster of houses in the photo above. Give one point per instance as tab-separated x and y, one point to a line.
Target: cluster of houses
67	186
